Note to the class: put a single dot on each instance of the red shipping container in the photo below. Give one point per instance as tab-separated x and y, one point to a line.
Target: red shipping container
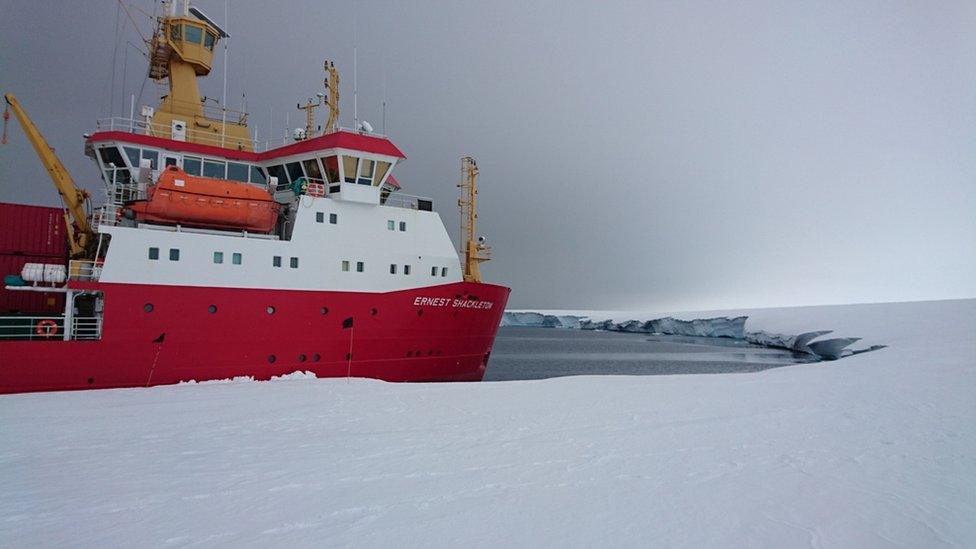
32	230
22	301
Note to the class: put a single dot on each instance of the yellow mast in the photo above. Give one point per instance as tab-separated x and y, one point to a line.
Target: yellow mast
473	248
81	234
332	100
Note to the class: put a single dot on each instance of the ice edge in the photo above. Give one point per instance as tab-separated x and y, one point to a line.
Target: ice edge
734	328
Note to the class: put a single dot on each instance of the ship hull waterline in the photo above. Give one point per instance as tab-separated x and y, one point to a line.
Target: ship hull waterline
161	335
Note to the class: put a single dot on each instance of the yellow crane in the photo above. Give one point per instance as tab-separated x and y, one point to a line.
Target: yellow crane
473	247
80	234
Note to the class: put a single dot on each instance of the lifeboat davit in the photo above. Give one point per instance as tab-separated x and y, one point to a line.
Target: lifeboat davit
179	198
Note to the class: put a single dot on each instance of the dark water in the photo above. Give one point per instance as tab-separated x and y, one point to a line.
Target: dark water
538	353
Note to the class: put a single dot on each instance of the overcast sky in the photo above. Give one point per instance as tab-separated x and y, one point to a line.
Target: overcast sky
663	156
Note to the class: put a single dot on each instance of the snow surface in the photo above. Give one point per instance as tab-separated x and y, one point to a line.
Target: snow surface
874	450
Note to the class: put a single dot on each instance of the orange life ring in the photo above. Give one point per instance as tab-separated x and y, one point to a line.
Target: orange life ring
46	328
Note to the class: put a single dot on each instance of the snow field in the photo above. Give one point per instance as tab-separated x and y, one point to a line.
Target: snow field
874	450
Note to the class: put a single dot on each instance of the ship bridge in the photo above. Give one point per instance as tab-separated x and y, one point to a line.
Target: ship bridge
318	165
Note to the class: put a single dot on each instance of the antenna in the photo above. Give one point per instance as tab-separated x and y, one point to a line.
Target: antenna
355	68
223	98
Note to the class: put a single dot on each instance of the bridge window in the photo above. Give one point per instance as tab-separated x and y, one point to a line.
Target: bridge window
193	33
152	157
443	271
350	166
236	258
153	253
360	266
331	164
208	41
174	254
403	226
176	32
276	261
293	263
214	168
319	217
237	171
381	169
279	172
365	172
312	168
192	165
345	266
257	176
392	268
391	225
218	257
334	219
406	269
433	271
133	154
294	171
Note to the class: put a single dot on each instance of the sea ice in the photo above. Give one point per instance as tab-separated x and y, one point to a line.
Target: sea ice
728	327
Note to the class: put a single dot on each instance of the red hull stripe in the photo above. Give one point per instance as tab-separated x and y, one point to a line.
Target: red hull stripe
393	338
335	140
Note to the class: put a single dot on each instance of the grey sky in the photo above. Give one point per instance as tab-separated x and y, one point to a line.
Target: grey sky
633	155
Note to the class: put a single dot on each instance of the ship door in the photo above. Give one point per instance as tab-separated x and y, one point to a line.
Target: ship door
170	160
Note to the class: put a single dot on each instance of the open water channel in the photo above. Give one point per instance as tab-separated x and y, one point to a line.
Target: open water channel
539	353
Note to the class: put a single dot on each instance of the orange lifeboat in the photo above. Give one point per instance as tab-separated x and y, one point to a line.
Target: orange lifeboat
179	198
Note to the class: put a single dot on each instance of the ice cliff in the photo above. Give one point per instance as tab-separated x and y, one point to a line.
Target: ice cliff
734	328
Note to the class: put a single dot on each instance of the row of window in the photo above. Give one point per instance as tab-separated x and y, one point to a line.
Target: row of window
327	169
236	258
320	218
219	169
393	269
193	165
391	225
276	261
174	254
194	34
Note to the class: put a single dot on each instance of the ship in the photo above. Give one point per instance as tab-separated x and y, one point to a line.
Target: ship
215	256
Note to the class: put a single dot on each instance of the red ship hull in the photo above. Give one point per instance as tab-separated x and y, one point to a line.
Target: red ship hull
439	333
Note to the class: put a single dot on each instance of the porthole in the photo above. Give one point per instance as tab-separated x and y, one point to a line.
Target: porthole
212	309
348	356
316	357
91	380
301	358
420	312
272	359
409	353
324	310
373	311
148	307
270	310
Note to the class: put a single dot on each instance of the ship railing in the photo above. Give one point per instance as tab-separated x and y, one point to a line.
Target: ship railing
86	327
84	270
144	127
108	215
49	328
410	202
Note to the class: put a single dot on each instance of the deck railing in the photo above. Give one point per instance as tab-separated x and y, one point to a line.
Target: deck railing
48	328
141	126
